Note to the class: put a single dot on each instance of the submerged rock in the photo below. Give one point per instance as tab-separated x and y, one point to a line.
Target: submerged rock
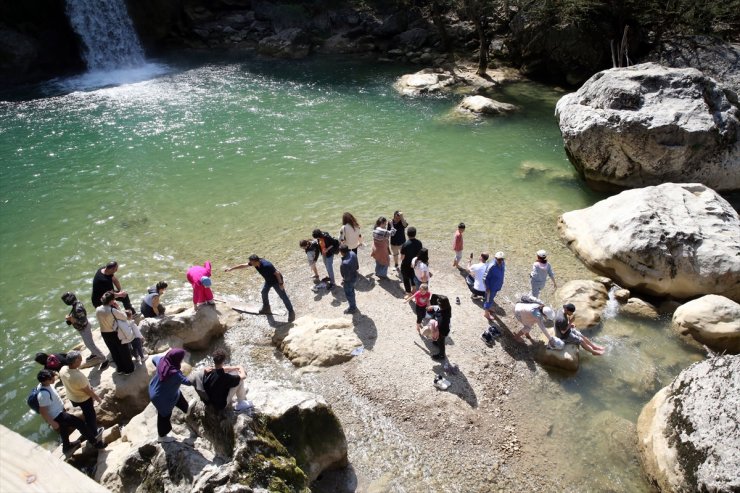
712	320
426	81
648	124
688	435
679	240
589	297
635	307
565	359
318	342
486	106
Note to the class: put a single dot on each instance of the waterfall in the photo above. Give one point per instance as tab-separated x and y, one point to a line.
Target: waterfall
108	37
612	305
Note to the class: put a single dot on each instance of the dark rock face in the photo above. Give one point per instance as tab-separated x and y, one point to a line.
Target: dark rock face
36	40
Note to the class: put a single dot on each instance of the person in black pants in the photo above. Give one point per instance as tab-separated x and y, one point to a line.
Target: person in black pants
442	312
105	280
409	250
109	318
79	391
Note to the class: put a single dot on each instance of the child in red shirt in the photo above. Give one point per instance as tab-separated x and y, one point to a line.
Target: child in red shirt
421	298
457	244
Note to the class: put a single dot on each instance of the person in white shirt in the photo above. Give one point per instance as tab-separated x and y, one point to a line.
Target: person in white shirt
476	273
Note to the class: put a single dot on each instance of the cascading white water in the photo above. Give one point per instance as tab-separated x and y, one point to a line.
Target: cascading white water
108	36
612	305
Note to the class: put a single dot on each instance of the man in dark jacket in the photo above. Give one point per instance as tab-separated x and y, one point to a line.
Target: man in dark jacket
409	250
349	268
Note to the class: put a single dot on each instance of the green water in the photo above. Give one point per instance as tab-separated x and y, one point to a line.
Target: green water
219	160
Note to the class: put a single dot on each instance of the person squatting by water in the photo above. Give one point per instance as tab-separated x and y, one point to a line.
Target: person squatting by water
476	272
381	249
329	246
349	268
273	280
219	385
566	331
199	278
105	280
164	390
150	303
77	318
541	270
493	281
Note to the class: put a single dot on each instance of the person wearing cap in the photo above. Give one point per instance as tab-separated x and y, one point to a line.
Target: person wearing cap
476	272
493	281
77	318
105	280
530	314
566	331
79	391
273	280
457	244
541	270
399	237
199	276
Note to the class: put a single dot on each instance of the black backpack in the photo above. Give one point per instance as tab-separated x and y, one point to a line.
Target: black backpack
33	398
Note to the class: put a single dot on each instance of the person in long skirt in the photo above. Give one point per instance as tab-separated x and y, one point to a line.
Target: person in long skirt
164	390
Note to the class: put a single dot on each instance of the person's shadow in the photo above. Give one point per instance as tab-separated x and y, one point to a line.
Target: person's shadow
365	329
517	350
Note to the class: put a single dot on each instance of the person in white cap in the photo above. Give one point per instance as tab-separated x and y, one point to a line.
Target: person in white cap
533	313
541	270
494	281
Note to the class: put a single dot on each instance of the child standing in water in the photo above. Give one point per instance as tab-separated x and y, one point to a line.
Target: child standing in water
313	250
457	244
541	270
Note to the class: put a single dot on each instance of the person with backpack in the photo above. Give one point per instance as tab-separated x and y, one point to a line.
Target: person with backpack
493	281
329	246
77	318
45	400
79	391
114	328
52	362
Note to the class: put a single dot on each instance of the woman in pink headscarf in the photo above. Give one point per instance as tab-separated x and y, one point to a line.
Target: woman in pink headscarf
200	278
164	390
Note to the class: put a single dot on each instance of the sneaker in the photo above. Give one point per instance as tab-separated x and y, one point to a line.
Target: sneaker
265	311
291	316
350	310
103	365
243	406
438	357
99	434
166	439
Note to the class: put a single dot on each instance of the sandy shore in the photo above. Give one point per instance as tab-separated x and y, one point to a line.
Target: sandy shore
403	433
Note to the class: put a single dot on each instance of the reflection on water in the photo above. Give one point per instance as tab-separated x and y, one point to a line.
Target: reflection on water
213	161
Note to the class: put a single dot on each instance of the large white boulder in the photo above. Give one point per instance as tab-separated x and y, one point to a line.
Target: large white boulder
648	124
688	434
190	329
319	342
681	240
712	320
589	297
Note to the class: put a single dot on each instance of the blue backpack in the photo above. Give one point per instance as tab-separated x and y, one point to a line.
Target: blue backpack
33	398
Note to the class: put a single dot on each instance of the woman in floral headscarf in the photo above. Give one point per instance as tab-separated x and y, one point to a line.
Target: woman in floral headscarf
164	390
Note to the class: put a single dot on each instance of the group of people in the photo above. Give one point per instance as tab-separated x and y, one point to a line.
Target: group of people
218	385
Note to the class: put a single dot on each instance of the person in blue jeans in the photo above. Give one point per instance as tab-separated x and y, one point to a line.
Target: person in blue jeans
348	268
273	280
329	246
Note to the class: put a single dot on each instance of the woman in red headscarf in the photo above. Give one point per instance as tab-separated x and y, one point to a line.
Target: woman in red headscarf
164	390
